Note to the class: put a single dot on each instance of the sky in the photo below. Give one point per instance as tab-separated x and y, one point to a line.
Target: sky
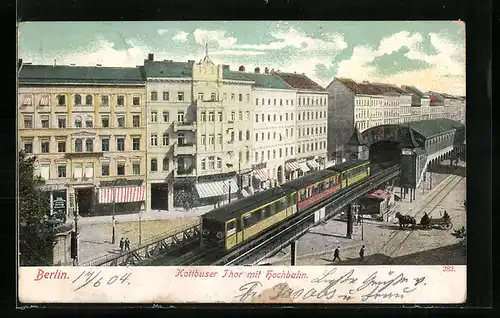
427	54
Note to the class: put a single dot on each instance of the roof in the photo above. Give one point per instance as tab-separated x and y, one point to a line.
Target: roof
168	69
265	80
235	76
380	194
300	82
434	127
237	208
48	74
367	88
121	183
416	91
348	164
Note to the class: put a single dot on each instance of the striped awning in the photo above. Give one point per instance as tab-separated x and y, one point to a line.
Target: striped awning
44	101
27	101
291	166
313	164
215	188
122	194
304	167
261	174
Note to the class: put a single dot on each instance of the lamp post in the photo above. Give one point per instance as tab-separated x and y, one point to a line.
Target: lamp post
113	217
140	228
229	191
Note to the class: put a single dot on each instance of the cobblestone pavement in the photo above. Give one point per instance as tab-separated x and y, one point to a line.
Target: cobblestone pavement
384	242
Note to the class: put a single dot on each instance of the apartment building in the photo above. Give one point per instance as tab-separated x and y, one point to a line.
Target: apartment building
420	103
86	126
436	105
312	122
274	129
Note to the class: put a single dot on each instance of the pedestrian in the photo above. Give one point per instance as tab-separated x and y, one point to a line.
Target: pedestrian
127	244
336	254
362	252
359	219
122	244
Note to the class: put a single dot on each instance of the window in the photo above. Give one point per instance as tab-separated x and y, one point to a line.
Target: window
232	136
274	135
274	154
88	122
136	143
224	96
248	97
257	101
88	100
286	102
240	115
274	102
136	169
105	121
121	121
256	156
200	96
262	136
120	100
105	169
104	100
219	116
256	118
281	102
263	101
89	170
78	99
180	96
136	121
104	144
219	138
203	164
166	117
262	118
240	97
291	116
166	96
203	140
248	115
269	101
136	101
233	116
77	171
286	152
268	154
291	101
219	163
45	121
180	116
211	163
211	139
154	116
61	171
262	156
61	146
61	122
240	135
213	97
268	117
120	144
45	146
165	164
153	140
232	96
28	121
120	168
281	117
89	145
211	116
274	117
248	135
61	100
256	136
78	145
154	96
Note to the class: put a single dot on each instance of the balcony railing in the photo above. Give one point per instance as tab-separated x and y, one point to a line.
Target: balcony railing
184	126
184	149
185	171
83	154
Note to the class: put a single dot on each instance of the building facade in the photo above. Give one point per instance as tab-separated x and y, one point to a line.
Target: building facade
86	126
312	122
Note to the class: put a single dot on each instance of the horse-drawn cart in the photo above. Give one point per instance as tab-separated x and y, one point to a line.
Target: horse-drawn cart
407	221
441	223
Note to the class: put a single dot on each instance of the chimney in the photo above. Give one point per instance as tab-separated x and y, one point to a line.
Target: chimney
225	67
241	68
365	82
151	57
55	62
72	64
168	61
266	70
272	71
191	61
257	70
98	65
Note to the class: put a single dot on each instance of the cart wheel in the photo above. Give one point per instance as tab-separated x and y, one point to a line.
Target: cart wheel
448	226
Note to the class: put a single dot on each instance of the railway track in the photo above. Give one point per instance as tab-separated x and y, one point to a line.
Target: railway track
399	237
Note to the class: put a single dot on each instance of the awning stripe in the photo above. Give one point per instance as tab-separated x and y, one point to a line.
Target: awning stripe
216	188
291	166
122	194
313	164
261	174
304	167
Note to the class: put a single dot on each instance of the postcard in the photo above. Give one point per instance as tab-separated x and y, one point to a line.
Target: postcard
242	162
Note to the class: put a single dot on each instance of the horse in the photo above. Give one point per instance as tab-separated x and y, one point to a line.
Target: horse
405	220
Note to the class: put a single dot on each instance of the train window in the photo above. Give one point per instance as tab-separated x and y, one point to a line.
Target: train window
277	207
284	203
315	189
265	212
303	195
294	198
239	225
247	220
231	225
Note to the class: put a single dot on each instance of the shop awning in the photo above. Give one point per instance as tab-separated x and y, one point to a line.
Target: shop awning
215	188
261	174
313	164
291	166
122	194
304	167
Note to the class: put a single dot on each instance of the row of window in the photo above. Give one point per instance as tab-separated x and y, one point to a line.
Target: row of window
273	135
310	115
263	102
28	100
232	116
78	122
211	138
311	131
372	102
273	154
211	163
313	146
153	117
83	145
180	96
81	171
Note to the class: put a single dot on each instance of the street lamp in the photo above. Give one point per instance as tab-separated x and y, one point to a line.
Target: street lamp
140	228
229	192
113	217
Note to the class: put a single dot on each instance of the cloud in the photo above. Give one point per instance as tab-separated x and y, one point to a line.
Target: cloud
215	38
180	36
162	31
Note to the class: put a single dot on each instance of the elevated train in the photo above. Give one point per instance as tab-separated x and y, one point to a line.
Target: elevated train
235	223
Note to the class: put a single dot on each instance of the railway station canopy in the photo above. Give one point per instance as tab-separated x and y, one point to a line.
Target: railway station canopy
434	127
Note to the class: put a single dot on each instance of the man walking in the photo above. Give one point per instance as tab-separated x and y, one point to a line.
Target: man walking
362	252
122	244
359	219
336	254
127	244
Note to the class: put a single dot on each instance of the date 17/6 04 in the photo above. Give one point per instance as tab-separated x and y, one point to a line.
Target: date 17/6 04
88	277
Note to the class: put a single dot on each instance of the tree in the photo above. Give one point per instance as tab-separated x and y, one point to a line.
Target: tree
36	237
461	235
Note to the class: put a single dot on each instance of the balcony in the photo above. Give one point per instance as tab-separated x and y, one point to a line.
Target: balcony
186	171
184	126
185	149
84	154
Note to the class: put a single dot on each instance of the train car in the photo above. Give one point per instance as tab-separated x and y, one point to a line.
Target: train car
314	187
352	171
234	223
